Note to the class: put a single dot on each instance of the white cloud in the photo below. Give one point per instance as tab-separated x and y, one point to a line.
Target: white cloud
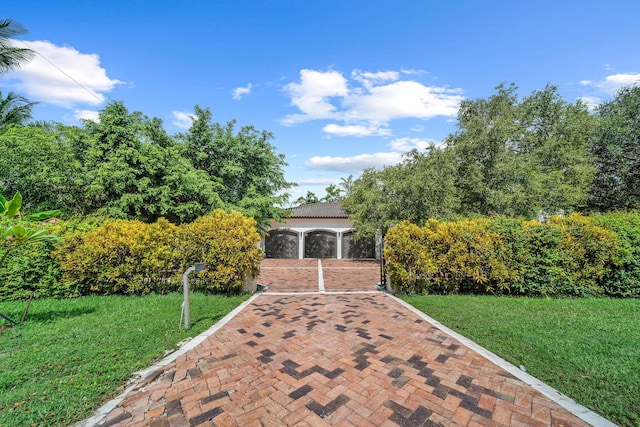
182	119
365	104
318	181
356	130
63	76
401	100
312	95
609	86
239	92
94	116
616	82
354	164
411	71
368	80
408	144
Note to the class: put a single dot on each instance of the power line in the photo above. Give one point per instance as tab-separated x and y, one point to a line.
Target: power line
92	93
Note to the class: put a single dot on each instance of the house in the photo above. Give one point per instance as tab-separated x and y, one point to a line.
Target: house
316	230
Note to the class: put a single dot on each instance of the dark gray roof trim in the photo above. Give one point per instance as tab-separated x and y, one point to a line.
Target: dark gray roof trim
319	210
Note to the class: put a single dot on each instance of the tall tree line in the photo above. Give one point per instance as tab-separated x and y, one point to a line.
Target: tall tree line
529	156
125	165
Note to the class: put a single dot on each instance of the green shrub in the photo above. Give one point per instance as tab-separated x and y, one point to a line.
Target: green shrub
33	270
228	242
623	278
132	257
565	256
29	270
119	257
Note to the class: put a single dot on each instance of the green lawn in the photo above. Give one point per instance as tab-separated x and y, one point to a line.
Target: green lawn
72	355
588	349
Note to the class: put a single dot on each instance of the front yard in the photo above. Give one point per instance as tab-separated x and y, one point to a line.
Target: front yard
73	354
588	349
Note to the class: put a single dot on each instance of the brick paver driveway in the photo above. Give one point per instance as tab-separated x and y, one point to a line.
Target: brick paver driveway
286	275
298	356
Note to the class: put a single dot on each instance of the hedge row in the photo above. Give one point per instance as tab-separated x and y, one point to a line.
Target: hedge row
565	256
106	256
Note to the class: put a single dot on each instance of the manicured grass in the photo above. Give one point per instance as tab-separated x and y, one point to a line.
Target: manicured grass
72	355
588	349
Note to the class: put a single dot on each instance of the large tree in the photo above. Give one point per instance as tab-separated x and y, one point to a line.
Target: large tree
40	163
125	165
12	56
522	156
616	148
133	169
419	188
249	169
367	203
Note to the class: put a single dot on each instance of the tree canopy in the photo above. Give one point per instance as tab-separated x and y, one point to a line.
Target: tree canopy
520	157
420	187
616	148
515	156
247	167
125	165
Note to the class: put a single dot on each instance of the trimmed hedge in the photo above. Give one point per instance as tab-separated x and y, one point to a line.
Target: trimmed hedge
128	257
565	256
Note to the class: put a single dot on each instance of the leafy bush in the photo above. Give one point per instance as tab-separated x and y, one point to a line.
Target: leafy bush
623	279
119	257
566	256
132	257
29	270
448	257
409	265
228	242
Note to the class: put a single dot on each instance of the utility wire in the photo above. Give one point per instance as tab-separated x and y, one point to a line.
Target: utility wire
92	93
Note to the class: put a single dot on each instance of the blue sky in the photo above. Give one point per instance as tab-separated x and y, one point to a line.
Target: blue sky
343	85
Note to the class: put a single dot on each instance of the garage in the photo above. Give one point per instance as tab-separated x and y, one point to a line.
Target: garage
316	230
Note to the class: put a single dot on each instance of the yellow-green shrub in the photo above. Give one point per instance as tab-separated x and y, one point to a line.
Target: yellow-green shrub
132	257
119	257
228	242
448	257
572	256
409	262
471	257
588	250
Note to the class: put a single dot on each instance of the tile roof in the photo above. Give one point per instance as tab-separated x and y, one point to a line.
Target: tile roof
319	210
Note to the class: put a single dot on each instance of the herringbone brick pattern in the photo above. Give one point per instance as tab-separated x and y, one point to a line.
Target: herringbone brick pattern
350	275
289	275
358	359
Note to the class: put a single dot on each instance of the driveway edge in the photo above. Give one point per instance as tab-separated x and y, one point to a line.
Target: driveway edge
138	377
551	393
